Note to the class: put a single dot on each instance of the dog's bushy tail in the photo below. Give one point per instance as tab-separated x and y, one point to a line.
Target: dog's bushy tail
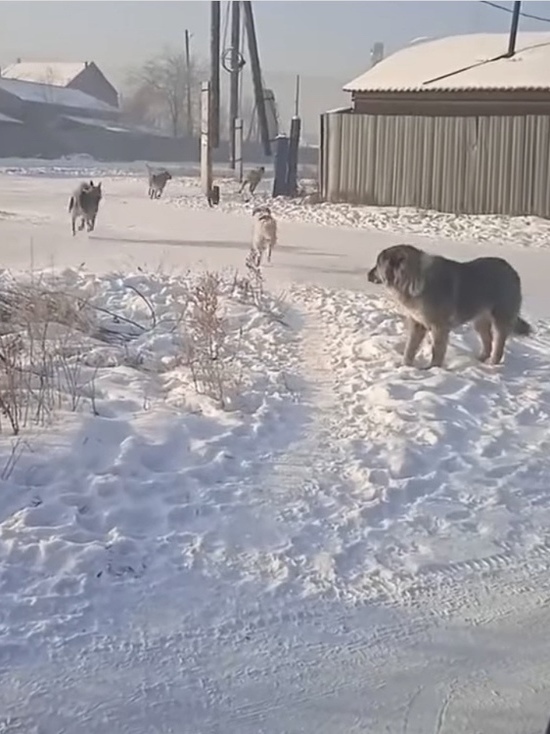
71	203
522	328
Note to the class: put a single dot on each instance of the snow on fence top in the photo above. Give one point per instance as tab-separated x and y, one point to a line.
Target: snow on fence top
49	94
57	74
467	62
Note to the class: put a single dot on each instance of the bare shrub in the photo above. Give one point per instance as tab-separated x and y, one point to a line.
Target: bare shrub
210	345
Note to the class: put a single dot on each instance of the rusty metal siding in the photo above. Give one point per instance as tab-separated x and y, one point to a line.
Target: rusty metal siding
465	165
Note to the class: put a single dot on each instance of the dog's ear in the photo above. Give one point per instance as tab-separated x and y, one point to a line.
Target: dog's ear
405	269
389	265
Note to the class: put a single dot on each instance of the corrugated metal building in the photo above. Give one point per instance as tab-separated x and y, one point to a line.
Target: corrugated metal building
451	124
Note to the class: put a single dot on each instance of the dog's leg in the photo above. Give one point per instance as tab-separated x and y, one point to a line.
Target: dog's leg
73	223
501	335
440	337
269	249
417	332
483	328
82	224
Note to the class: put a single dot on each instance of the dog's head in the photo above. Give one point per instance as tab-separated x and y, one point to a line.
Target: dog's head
400	269
261	212
93	194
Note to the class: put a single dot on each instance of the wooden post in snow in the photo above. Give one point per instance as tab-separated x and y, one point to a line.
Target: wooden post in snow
206	148
238	136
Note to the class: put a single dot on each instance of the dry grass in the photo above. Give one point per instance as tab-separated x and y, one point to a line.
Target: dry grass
42	354
48	331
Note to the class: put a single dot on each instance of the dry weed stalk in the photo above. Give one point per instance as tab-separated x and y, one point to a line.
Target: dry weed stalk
17	448
250	289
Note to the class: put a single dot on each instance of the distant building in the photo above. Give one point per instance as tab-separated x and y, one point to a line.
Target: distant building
33	102
451	124
84	76
33	116
51	121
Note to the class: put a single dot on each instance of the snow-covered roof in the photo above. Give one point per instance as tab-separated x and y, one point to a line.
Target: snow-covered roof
48	94
115	126
460	63
5	118
58	74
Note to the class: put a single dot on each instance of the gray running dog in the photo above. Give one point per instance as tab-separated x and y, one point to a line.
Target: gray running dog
84	204
157	182
252	179
438	294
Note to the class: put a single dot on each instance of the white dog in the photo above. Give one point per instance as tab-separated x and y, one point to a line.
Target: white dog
264	236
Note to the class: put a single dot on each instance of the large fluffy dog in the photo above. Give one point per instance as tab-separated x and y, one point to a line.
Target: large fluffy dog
84	204
157	182
264	235
438	294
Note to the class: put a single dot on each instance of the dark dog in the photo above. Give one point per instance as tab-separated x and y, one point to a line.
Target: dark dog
439	294
84	203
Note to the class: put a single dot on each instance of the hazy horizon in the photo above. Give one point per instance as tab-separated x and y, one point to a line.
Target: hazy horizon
327	38
328	43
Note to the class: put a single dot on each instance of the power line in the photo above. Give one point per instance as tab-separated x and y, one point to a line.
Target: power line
509	10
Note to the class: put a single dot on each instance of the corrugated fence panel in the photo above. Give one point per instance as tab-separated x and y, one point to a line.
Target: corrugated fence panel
473	165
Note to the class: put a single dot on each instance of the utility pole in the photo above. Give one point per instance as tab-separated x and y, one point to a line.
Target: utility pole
513	30
188	89
256	75
215	73
297	97
234	79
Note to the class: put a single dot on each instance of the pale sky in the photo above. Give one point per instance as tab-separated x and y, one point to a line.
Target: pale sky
321	38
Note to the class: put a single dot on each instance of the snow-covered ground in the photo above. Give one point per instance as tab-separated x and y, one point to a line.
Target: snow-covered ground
353	546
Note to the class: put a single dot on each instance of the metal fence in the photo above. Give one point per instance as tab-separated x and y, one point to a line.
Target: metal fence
466	165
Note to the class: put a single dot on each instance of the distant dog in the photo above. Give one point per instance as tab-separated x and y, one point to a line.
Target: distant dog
84	204
264	236
439	294
157	182
252	179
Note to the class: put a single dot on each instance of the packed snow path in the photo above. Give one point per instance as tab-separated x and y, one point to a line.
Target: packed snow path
368	551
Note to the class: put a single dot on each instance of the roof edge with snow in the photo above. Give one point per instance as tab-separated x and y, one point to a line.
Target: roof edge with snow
472	62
